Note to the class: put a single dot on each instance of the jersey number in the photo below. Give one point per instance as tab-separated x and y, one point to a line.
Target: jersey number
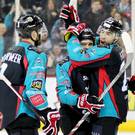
3	68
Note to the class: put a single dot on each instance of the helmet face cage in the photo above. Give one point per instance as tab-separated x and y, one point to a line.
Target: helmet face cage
28	23
43	32
111	24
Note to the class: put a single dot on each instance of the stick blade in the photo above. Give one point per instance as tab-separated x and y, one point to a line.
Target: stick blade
73	3
127	42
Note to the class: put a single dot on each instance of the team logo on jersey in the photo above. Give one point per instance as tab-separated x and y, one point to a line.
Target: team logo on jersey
38	60
67	84
75	41
37	84
87	55
37	100
85	78
72	92
40	74
38	64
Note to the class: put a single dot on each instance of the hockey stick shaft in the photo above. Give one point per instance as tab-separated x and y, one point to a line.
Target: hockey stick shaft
73	3
8	83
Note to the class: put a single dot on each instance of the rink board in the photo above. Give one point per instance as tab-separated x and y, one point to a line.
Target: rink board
128	126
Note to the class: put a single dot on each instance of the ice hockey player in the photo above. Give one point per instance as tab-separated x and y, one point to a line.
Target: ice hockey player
106	58
73	91
25	67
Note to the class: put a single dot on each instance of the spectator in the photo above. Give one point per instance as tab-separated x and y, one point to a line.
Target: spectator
5	6
9	22
119	17
55	56
83	6
2	32
46	46
57	33
93	15
124	7
59	4
49	14
5	25
29	4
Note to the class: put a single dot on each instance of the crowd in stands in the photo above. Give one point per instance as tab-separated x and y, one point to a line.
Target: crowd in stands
93	12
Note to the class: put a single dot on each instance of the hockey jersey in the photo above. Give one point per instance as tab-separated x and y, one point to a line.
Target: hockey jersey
25	68
105	62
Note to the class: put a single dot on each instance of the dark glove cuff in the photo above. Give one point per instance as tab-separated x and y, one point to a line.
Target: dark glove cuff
131	86
45	112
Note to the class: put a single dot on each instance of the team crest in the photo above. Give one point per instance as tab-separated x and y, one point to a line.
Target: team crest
37	84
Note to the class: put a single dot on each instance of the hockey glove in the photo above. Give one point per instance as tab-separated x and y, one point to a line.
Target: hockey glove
51	116
89	103
131	84
69	15
75	29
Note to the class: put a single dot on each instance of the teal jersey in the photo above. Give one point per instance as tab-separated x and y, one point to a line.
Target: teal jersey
65	91
26	69
102	58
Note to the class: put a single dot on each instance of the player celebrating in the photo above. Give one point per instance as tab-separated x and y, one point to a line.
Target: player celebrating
73	91
102	57
25	67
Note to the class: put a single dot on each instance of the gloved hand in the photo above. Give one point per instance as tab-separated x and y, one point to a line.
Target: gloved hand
51	116
69	15
74	29
90	103
131	84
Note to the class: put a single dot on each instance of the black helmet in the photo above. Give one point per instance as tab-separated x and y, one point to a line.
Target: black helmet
111	24
27	23
87	34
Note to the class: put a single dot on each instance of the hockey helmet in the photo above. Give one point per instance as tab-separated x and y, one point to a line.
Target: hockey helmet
87	34
111	24
28	23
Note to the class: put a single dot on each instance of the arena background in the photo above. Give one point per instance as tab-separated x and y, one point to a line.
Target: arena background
55	45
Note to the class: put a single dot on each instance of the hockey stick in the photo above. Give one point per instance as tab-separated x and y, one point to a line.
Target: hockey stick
130	54
74	4
8	83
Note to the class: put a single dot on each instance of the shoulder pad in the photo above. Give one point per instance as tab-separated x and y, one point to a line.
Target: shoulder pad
17	49
66	59
119	53
117	49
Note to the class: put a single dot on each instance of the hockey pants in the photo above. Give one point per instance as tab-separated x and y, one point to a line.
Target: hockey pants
22	131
